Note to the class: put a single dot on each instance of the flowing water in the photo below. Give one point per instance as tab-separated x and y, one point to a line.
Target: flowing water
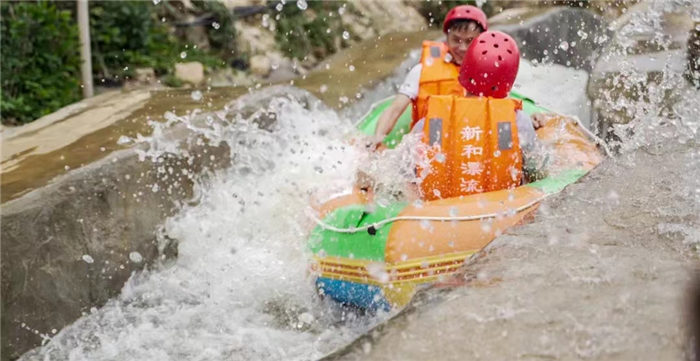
239	288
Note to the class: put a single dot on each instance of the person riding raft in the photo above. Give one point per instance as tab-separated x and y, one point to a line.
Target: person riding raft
485	140
437	72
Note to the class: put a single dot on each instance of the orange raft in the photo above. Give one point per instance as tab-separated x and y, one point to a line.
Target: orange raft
376	260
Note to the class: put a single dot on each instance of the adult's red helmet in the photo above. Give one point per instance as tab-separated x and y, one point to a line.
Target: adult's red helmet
490	65
465	12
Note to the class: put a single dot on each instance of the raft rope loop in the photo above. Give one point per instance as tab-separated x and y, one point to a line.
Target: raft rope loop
377	225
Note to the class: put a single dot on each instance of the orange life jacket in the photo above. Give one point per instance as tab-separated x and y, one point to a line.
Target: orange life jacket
437	77
474	145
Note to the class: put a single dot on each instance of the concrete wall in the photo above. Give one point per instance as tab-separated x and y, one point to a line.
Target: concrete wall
105	210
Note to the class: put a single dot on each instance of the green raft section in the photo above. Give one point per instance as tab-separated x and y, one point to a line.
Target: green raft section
364	245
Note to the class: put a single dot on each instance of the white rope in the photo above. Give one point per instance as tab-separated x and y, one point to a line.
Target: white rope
379	224
597	139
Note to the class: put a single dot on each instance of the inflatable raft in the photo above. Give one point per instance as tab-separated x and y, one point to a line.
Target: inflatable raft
378	260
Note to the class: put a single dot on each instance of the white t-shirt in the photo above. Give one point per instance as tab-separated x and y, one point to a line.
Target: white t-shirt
410	85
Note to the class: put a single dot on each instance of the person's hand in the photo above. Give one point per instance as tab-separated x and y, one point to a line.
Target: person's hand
374	143
363	180
538	120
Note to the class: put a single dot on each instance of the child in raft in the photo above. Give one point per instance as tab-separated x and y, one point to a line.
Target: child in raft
489	155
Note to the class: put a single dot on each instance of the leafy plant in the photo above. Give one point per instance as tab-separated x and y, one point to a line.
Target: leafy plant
314	30
126	35
435	11
222	33
40	60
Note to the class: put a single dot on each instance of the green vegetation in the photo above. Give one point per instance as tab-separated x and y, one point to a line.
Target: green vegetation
126	35
39	62
41	48
435	11
315	31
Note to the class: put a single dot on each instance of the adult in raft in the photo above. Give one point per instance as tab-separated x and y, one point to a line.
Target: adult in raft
438	70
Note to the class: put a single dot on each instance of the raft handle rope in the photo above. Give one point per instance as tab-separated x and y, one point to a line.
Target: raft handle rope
376	226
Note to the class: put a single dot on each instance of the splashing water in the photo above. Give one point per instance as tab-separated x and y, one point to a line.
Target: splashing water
239	288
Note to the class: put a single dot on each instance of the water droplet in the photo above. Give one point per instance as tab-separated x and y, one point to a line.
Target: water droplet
54	331
582	34
328	31
351	67
215	25
454	211
440	158
358	95
279	7
425	224
497	153
367	347
378	272
196	95
328	66
346	35
155	188
341	11
66	168
275	66
126	68
156	2
93	309
183	54
124	140
301	4
88	259
135	257
695	14
564	45
323	89
102	149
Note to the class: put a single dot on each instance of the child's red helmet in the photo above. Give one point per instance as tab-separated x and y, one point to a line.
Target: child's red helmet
491	65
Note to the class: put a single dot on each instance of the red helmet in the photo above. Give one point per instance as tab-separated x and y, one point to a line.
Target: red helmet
465	12
490	65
